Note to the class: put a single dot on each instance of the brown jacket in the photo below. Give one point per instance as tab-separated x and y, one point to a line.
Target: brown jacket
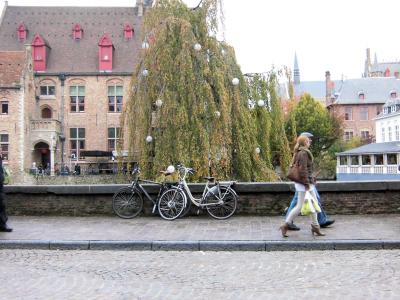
304	159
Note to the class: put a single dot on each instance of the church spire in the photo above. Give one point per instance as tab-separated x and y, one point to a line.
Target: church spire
296	70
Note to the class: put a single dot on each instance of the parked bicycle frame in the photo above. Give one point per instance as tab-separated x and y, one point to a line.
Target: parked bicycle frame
220	200
128	201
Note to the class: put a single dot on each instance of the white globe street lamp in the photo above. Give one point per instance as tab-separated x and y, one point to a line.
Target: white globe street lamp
171	169
235	81
145	45
145	72
261	103
217	114
197	47
149	139
258	150
159	103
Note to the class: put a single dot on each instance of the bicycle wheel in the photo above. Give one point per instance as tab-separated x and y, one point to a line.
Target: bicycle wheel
171	204
127	203
225	209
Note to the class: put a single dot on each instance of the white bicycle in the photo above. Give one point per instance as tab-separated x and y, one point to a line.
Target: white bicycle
219	199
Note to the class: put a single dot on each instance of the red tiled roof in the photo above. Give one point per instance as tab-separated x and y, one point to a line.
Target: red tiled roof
55	25
11	66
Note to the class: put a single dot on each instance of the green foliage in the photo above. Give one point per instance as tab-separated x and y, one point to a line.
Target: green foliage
204	121
311	116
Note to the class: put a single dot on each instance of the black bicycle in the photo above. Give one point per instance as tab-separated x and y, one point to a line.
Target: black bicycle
128	201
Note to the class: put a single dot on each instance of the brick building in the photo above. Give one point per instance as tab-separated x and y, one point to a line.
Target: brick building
16	86
359	101
82	60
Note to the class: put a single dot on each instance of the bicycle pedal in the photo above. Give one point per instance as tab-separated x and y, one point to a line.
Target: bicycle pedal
198	212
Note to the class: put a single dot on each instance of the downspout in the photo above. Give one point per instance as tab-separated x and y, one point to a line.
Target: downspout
62	135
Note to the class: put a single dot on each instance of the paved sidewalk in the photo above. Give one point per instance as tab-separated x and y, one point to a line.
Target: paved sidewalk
199	233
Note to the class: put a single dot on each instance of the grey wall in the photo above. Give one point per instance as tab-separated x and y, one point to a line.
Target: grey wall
254	198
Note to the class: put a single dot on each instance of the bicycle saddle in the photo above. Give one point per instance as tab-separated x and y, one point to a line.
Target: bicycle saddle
209	178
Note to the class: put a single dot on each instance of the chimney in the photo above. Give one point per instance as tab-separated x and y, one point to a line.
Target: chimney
328	87
296	70
139	4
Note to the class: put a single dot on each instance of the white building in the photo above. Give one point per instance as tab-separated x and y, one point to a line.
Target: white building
388	122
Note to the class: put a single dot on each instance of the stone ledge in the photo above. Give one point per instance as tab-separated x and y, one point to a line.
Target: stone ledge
240	187
218	245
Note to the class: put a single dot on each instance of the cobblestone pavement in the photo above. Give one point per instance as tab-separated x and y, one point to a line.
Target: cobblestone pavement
28	274
378	227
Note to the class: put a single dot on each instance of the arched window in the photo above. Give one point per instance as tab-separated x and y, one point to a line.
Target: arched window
46	113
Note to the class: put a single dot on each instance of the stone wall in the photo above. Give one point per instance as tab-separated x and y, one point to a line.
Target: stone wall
254	198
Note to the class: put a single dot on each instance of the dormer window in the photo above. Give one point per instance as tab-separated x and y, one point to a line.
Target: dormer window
40	51
21	32
128	32
77	32
361	95
106	49
393	94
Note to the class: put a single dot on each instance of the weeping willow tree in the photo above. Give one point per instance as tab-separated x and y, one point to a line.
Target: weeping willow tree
189	99
268	116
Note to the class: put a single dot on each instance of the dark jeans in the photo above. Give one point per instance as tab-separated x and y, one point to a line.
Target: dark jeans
3	215
322	218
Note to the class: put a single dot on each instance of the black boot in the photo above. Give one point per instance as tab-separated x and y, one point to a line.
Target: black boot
5	228
327	223
294	227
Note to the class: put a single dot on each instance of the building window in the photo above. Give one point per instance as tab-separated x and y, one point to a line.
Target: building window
383	134
348	114
365	160
343	160
361	95
4	145
77	141
393	94
354	160
378	159
113	138
364	135
47	90
4	107
378	110
364	113
389	134
397	133
77	94
77	32
391	158
115	93
348	135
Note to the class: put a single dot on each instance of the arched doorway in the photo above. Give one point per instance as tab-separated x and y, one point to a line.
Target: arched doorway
46	113
42	155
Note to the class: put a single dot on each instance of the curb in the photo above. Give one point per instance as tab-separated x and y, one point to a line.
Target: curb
202	245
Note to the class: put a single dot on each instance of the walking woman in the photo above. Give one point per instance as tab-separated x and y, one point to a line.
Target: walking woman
303	158
3	215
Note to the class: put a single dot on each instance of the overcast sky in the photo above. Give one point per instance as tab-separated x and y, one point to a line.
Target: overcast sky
327	35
